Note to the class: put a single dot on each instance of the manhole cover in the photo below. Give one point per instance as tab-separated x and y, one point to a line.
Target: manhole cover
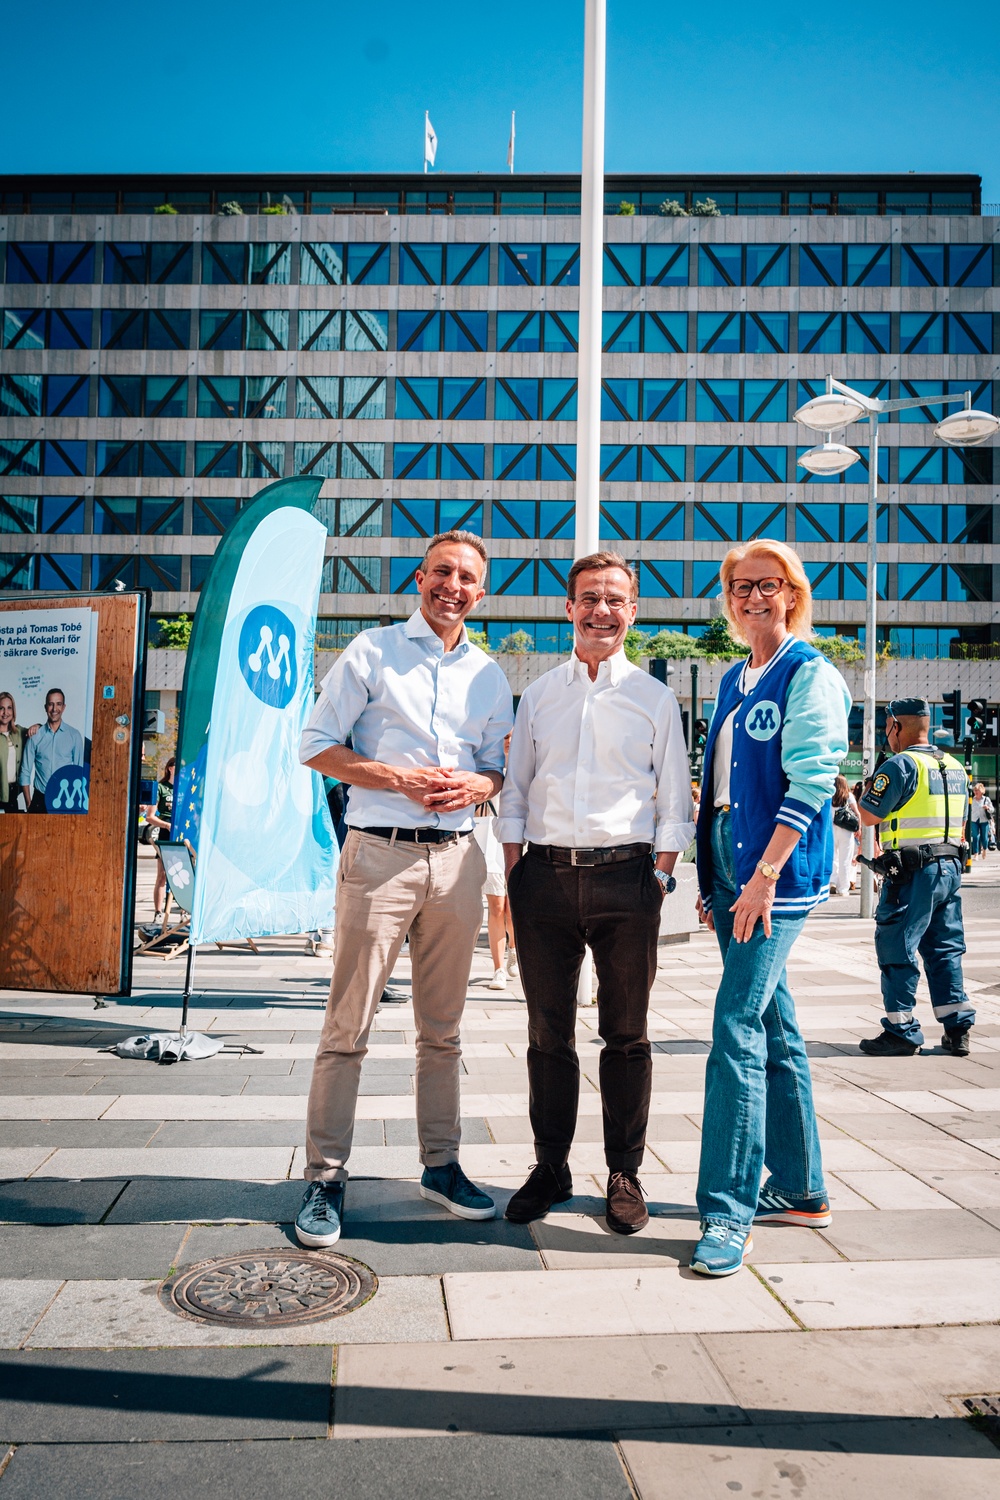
262	1287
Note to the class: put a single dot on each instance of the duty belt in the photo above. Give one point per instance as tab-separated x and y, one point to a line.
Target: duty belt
418	835
557	855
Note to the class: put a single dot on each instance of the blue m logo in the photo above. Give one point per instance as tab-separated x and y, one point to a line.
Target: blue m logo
267	655
764	721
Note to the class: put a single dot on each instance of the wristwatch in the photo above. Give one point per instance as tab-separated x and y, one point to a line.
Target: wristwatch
768	871
668	882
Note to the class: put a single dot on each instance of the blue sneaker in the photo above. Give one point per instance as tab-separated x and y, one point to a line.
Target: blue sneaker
775	1208
721	1251
318	1222
450	1187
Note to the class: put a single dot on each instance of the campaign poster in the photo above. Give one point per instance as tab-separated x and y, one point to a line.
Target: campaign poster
47	661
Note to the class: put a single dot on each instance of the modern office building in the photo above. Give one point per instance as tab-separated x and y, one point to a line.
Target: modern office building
170	344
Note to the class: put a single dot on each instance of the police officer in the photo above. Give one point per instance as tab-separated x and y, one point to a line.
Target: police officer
918	798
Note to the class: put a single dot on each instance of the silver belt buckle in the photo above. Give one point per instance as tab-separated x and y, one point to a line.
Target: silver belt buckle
572	857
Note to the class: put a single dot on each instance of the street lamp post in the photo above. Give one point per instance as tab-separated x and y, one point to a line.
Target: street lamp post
837	408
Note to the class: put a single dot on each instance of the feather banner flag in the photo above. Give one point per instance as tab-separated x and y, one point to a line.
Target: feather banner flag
257	819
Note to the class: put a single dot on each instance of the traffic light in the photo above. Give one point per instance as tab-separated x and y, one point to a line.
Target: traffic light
977	718
951	717
661	669
700	733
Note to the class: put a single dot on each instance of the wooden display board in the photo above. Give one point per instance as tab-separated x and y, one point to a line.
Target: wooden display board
67	877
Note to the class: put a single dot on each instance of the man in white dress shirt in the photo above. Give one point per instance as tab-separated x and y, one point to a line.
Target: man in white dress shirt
598	784
427	713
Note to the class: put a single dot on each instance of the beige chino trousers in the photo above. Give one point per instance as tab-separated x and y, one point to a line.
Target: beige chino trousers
434	892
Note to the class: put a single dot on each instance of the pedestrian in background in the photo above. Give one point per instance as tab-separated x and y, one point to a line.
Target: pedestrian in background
980	821
427	712
765	853
918	801
846	824
598	783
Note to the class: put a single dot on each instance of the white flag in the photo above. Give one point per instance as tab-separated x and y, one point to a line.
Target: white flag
510	143
430	142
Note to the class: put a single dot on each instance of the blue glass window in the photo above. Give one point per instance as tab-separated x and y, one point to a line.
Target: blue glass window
428	517
149	459
747	462
326	264
743	265
661	580
853	475
144	263
714	521
39	263
534	461
664	400
645	265
649	462
839	333
705	580
619	400
844	265
945	333
754	333
438	460
741	400
946	265
530	332
531	400
982	396
532	518
450	398
652	333
444	265
539	265
940	465
451	331
650	520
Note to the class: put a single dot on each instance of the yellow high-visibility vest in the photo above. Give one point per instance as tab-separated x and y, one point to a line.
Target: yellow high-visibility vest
921	820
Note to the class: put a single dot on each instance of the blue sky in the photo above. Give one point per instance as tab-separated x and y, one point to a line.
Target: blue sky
320	85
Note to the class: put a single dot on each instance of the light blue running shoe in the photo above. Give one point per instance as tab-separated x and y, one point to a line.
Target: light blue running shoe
721	1251
319	1218
775	1208
449	1186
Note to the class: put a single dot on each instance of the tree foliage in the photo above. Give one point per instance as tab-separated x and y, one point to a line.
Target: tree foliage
175	634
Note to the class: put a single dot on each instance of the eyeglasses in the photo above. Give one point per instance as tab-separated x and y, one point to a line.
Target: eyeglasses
742	588
615	602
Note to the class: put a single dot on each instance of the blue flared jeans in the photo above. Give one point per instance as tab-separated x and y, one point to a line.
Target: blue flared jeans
758	1091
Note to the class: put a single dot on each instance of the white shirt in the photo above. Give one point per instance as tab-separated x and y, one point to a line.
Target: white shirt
597	764
722	754
404	701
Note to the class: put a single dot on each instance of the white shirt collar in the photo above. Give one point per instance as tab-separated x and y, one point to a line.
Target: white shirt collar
416	627
614	668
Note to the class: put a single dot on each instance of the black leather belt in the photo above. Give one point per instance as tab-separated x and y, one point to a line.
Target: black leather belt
559	856
419	835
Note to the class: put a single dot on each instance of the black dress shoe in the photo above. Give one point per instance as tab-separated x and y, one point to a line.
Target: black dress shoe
888	1044
956	1042
545	1186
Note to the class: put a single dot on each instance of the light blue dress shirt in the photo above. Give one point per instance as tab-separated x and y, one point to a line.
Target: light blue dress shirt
404	701
45	752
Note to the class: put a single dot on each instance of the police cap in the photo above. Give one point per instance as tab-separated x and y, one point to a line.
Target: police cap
902	708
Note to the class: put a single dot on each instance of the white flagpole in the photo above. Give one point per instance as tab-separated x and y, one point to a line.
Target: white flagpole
510	144
588	423
427	121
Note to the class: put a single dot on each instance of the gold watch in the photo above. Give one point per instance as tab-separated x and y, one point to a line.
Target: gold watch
768	871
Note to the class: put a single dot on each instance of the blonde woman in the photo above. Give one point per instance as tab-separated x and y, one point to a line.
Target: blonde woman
12	742
765	854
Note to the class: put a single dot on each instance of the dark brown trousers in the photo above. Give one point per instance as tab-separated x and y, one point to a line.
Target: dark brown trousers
558	909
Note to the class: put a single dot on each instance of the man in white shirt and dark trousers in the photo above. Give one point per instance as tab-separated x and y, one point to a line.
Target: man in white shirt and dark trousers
598	783
427	713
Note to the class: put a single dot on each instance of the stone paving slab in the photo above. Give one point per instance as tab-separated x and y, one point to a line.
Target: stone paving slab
892	1457
74	1251
163	1395
128	1314
579	1241
598	1303
451	1468
908	1234
264	1163
885	1294
54	1202
180	1200
517	1385
22	1304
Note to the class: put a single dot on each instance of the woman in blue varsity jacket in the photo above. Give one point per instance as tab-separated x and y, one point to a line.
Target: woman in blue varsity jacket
765	853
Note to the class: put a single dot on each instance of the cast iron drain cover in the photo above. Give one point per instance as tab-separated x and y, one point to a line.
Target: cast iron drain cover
983	1411
260	1287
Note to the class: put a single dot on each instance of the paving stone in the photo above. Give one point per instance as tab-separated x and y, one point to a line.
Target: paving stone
129	1314
894	1127
53	1202
22	1303
580	1241
233	1162
881	1294
594	1304
181	1200
100	1134
878	1372
909	1234
967	1189
164	1395
892	1457
557	1385
452	1468
177	1134
895	1190
92	1252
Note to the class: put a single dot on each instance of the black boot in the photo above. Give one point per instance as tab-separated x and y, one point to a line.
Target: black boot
888	1044
956	1042
545	1186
